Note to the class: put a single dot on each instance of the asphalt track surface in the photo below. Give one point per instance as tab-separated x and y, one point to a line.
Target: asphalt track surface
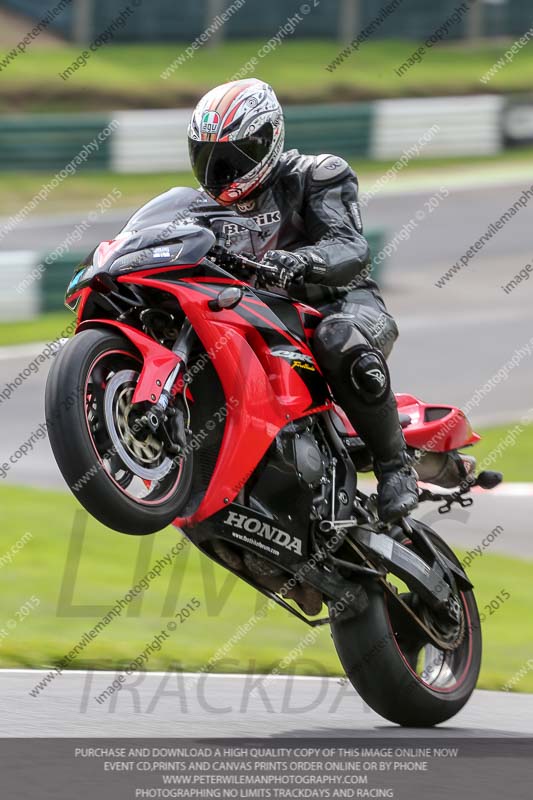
191	705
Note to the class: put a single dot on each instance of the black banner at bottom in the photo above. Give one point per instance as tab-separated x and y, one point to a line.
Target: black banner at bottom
428	768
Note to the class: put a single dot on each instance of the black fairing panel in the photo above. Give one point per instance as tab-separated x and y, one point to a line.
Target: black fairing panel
311	321
259	532
276	484
186	244
284	309
182	204
166	207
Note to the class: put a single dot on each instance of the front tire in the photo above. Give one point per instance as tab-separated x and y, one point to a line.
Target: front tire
97	464
383	663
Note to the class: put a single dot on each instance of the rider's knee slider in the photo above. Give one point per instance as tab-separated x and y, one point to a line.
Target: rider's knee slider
370	376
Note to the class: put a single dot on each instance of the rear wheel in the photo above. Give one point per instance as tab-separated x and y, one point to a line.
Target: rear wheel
119	469
396	668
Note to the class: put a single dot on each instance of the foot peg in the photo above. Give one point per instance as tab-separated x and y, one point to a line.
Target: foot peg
485	480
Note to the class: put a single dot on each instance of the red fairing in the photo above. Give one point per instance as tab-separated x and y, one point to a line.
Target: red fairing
450	432
82	296
158	362
262	393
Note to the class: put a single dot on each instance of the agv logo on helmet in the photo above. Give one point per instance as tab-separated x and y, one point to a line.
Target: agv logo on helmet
210	122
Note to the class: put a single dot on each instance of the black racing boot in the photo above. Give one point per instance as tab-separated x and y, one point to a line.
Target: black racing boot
397	488
379	427
359	377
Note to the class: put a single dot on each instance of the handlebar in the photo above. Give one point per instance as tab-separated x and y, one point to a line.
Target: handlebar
227	258
248	263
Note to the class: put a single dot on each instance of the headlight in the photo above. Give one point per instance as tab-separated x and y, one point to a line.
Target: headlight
74	283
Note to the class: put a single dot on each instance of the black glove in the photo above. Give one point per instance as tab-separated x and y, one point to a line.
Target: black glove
283	268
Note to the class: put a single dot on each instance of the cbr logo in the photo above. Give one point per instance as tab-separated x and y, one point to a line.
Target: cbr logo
293	355
263	529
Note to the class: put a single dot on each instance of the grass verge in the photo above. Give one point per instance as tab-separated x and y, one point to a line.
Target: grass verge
45	328
77	569
129	76
516	459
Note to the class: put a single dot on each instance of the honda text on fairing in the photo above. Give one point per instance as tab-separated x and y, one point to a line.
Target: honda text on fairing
191	396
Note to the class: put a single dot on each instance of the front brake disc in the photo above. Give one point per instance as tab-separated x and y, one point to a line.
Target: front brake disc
137	454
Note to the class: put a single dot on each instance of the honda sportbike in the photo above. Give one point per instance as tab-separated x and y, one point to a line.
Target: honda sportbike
190	395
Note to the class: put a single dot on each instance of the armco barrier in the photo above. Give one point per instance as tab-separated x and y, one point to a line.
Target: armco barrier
156	140
50	141
345	129
47	292
151	141
466	125
15	302
518	121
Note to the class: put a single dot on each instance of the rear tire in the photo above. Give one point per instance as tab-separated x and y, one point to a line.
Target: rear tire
75	450
370	651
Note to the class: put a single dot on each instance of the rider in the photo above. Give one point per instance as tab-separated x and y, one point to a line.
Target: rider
311	232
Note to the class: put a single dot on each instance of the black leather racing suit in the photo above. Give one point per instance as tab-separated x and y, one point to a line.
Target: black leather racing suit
311	207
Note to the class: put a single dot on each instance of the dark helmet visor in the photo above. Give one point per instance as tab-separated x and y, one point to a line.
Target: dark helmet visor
216	165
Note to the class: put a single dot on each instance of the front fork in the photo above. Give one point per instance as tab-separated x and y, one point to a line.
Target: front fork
157	414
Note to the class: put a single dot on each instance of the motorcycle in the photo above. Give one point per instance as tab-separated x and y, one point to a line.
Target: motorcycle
190	395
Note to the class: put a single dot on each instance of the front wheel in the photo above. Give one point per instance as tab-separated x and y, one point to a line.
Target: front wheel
117	468
394	666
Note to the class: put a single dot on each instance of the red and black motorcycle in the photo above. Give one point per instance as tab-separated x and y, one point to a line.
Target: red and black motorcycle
190	396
